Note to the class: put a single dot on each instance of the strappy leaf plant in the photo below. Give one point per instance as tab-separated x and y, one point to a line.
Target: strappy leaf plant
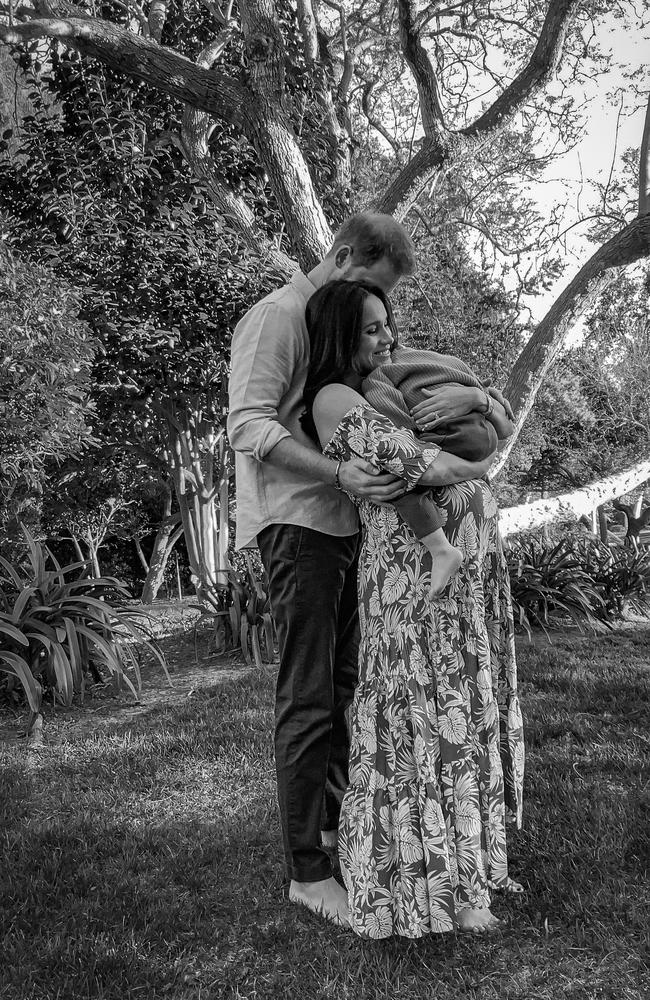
621	576
251	623
551	584
57	625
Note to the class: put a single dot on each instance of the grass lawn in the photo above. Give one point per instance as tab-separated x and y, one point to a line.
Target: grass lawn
141	858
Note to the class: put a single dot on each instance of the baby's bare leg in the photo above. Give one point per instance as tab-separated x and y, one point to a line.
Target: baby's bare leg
446	560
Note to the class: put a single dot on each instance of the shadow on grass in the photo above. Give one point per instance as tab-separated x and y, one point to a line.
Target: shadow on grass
145	862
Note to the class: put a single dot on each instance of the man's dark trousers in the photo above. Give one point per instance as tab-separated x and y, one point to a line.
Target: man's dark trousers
313	591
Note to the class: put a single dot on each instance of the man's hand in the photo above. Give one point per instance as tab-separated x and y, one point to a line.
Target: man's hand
444	403
365	480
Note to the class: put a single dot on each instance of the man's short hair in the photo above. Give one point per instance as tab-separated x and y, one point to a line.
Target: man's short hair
372	236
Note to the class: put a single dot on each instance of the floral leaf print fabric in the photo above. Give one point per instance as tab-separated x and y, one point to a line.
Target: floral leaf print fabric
436	764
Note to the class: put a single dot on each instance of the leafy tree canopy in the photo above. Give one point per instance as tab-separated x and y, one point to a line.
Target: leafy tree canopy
45	378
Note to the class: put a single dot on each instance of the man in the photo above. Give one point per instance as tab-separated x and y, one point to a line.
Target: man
290	501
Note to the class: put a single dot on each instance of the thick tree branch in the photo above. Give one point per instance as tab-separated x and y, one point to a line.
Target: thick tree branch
543	348
143	59
571	506
157	17
271	133
440	150
538	71
644	166
421	68
193	142
307	22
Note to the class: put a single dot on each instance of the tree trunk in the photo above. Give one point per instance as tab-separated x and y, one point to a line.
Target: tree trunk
197	450
571	506
166	538
603	530
93	556
636	520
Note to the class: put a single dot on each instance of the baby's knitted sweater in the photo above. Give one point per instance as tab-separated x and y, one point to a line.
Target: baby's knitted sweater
395	389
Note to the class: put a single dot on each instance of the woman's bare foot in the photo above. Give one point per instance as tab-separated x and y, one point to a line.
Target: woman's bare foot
478	921
513	888
327	898
445	565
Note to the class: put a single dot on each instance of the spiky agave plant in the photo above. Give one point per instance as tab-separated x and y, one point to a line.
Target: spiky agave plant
57	625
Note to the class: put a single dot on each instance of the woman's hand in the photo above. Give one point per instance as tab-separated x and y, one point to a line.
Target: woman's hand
500	398
365	480
446	402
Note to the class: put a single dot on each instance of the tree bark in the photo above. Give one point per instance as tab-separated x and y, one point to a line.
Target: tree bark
163	546
603	531
644	166
196	130
197	451
571	506
166	537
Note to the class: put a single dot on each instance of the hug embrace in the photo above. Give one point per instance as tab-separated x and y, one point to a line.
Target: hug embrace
361	476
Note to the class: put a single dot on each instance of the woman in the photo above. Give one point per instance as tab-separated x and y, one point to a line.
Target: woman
437	744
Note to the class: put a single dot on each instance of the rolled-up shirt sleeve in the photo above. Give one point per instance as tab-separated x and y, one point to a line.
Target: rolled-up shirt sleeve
266	349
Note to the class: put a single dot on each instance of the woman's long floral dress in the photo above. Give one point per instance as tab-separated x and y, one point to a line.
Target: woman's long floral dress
437	755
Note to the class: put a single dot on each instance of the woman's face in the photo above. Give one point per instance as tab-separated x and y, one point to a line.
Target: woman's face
376	337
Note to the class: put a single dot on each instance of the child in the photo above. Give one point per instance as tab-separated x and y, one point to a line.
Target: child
394	389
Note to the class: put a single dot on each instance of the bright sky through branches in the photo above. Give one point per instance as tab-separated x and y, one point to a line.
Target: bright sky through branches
614	124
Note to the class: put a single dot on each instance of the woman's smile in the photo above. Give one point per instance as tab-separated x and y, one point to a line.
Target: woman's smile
376	337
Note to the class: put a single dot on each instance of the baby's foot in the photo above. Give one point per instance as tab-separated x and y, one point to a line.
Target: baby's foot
445	565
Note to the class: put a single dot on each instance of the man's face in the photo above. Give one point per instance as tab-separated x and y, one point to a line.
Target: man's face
381	273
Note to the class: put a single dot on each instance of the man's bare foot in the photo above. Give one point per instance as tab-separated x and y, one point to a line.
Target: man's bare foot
478	921
445	565
326	898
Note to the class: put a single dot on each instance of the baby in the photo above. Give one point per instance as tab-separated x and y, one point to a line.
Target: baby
394	389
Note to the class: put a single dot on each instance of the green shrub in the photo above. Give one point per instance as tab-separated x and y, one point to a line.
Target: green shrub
549	584
251	623
56	626
621	576
47	353
581	579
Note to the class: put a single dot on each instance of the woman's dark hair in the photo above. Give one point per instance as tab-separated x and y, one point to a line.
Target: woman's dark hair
334	323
